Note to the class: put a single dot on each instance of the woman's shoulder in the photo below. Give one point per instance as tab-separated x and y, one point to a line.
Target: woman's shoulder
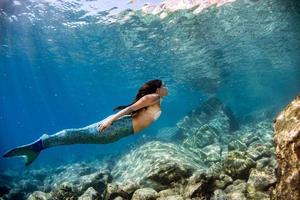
152	97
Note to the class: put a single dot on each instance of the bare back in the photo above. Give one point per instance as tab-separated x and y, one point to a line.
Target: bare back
143	118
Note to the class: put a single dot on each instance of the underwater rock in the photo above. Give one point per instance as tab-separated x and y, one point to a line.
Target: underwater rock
69	180
259	181
15	193
129	187
37	174
200	184
172	197
28	185
38	195
96	180
266	163
145	194
287	140
248	138
236	196
237	164
157	165
118	198
113	191
204	136
64	191
167	192
236	191
169	173
89	194
258	150
196	190
208	127
237	145
19	188
76	186
4	189
213	115
259	196
222	181
166	134
265	131
218	195
212	153
261	132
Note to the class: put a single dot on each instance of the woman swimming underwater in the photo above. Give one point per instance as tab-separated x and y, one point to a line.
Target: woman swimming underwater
129	120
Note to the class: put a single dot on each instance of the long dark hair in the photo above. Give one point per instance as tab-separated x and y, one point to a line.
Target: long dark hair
148	88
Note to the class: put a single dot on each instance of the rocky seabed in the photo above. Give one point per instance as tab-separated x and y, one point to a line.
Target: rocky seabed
208	155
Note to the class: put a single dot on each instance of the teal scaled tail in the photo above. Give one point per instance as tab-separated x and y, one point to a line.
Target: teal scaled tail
29	151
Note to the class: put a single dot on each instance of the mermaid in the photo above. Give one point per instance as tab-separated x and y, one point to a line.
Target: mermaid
130	120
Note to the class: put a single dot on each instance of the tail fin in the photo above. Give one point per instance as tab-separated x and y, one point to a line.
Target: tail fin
29	151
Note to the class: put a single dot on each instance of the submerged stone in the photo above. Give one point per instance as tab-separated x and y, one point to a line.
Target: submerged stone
113	191
237	164
199	185
89	194
236	190
266	163
212	152
222	181
38	195
167	192
260	180
4	189
64	191
157	165
259	150
237	145
213	115
172	197
287	140
145	194
218	195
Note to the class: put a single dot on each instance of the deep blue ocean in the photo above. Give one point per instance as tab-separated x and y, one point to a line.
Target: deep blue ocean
61	67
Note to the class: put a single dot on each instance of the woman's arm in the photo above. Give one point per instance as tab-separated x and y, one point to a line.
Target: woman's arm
146	100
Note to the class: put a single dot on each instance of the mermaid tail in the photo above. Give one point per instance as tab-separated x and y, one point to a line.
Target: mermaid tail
29	151
87	135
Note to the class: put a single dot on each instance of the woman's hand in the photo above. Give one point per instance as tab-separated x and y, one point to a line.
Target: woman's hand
104	125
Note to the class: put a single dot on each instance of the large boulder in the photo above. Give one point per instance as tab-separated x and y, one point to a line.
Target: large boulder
200	185
216	119
145	194
287	140
237	190
237	164
157	165
260	181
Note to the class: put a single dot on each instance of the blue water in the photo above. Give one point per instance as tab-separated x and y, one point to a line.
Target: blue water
56	73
